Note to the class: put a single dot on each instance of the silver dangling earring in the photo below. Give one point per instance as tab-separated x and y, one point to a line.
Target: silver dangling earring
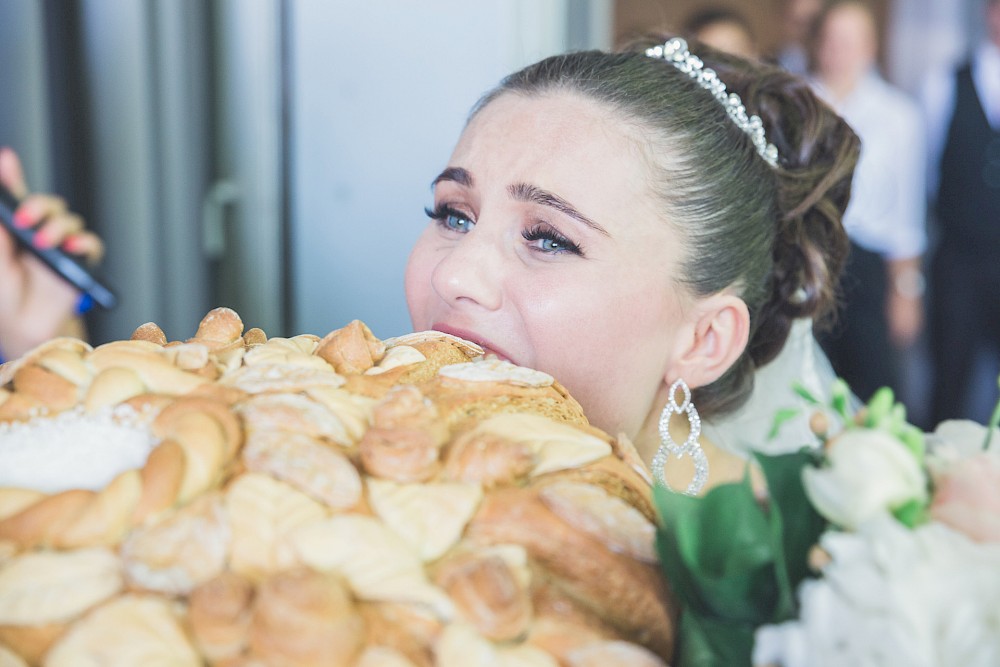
690	447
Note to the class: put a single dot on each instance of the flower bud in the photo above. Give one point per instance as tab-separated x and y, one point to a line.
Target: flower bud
869	472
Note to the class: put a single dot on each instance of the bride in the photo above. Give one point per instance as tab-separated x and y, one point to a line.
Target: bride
645	226
616	221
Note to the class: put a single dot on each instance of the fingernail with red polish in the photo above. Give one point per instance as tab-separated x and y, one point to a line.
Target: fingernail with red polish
72	245
42	240
22	218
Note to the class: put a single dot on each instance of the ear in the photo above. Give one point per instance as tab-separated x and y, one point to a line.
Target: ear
720	335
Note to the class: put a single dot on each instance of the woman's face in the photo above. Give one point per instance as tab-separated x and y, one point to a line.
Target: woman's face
729	36
546	248
847	43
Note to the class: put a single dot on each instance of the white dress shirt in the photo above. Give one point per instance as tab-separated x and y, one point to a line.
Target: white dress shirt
886	214
937	96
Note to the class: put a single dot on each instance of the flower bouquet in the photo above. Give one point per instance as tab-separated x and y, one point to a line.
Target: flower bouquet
880	548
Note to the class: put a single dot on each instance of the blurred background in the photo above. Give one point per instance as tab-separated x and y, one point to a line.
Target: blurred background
274	156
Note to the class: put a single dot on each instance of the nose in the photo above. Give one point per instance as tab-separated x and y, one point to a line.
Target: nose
470	272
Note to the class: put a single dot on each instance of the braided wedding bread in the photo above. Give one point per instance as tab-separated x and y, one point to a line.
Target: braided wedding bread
340	501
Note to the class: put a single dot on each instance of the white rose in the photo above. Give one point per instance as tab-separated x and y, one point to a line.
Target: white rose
956	440
966	479
962	438
868	473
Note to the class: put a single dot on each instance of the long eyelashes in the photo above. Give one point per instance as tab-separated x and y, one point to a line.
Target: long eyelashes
546	239
551	240
450	218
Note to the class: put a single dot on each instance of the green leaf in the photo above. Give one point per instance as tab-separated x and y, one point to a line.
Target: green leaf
805	394
898	413
913	438
707	642
678	515
839	393
784	605
912	513
717	552
795	523
879	407
994	422
784	415
733	519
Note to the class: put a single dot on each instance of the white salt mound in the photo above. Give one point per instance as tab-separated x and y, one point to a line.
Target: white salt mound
72	450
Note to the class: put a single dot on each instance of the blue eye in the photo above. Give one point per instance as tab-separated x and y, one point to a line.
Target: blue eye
551	245
451	219
457	223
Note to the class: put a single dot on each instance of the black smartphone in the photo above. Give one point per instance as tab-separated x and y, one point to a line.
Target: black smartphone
55	258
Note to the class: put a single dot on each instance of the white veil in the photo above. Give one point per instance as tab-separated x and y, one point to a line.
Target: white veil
800	362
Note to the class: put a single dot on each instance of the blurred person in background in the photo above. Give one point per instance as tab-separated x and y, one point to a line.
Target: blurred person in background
883	285
35	303
962	110
723	29
797	18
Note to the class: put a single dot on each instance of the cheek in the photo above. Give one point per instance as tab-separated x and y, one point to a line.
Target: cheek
606	339
615	311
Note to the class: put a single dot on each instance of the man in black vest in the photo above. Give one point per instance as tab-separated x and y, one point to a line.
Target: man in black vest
963	117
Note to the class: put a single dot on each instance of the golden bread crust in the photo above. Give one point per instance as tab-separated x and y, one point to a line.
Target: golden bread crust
304	618
180	551
583	566
327	501
150	332
219	616
351	350
126	631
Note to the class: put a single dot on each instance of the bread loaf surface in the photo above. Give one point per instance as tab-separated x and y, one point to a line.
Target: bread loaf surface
232	499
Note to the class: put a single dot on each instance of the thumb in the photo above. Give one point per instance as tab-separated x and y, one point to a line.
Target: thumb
11	173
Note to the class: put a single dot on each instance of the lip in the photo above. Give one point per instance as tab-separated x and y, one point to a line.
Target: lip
473	337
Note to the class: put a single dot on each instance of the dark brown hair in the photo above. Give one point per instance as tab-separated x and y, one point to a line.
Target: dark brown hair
772	234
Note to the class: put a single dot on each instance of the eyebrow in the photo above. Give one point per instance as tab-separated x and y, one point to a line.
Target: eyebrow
526	193
533	194
456	174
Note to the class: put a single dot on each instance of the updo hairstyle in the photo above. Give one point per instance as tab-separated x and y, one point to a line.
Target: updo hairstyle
773	235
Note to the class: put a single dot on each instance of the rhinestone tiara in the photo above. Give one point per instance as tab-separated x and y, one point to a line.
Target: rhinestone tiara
675	51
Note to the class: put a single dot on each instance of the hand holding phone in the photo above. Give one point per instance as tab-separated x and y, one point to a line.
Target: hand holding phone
56	259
